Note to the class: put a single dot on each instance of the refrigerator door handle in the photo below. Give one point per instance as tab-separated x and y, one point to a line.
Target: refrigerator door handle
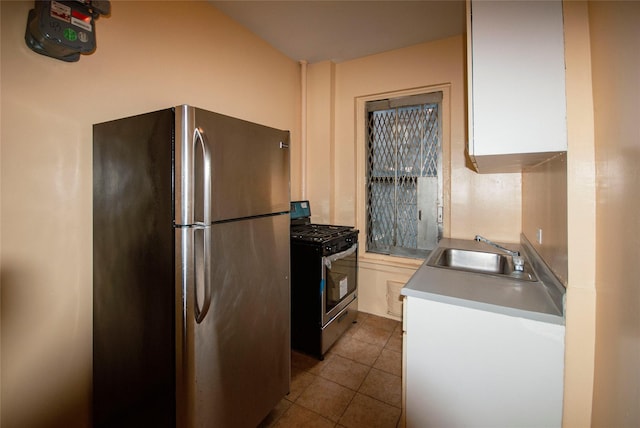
199	137
202	281
201	309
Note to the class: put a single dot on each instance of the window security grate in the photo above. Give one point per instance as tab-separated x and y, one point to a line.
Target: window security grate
403	146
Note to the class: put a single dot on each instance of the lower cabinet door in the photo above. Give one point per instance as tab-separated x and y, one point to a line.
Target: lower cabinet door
469	367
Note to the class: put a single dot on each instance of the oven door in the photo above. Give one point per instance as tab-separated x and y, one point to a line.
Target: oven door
339	281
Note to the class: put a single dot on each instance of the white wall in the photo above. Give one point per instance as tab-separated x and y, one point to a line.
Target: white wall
150	55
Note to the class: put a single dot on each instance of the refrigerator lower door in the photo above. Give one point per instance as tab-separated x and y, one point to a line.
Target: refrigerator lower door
234	363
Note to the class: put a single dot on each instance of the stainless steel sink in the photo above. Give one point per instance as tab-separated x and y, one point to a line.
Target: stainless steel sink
479	262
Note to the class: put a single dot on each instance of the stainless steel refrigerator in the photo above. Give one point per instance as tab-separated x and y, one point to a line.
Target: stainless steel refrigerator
191	318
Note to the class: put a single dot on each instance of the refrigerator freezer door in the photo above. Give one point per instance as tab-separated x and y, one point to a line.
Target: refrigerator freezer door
233	365
248	167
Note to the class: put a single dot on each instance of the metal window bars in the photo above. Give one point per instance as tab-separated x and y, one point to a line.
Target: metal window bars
403	144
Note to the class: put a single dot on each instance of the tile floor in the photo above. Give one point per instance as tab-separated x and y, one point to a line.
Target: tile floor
357	385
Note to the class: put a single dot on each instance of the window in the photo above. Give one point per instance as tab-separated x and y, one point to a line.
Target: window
404	185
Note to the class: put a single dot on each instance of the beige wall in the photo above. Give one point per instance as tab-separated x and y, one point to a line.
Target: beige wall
149	56
320	139
558	196
603	299
477	204
615	53
581	238
544	212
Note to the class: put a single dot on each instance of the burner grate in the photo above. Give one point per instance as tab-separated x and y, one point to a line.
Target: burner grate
318	232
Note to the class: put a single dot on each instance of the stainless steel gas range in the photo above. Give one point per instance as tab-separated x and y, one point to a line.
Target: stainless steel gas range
324	281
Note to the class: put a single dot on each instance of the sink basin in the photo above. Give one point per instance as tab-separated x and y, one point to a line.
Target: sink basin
479	262
473	260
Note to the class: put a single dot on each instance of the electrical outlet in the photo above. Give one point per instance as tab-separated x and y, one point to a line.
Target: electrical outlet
539	236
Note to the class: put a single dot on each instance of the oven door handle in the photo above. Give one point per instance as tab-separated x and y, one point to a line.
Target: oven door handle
341	255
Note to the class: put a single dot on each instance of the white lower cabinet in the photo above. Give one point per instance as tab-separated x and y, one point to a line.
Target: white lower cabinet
472	368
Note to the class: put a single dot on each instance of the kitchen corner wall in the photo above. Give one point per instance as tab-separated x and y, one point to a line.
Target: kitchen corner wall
320	139
559	198
615	55
150	55
487	204
544	212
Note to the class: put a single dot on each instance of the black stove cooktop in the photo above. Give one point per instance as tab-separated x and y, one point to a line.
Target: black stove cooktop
303	230
318	232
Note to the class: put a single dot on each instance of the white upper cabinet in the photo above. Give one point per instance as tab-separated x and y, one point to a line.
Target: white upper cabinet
516	76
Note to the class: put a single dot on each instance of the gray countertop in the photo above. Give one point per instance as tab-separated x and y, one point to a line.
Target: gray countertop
540	300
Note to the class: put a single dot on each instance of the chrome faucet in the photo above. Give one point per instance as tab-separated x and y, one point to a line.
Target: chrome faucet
518	260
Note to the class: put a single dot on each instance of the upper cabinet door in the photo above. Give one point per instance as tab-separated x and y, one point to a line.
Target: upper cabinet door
517	100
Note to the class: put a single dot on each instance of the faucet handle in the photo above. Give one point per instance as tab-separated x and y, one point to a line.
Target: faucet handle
518	263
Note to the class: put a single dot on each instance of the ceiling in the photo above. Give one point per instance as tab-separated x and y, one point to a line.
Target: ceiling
315	31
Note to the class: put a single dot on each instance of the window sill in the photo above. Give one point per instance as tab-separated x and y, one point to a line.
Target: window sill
381	260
